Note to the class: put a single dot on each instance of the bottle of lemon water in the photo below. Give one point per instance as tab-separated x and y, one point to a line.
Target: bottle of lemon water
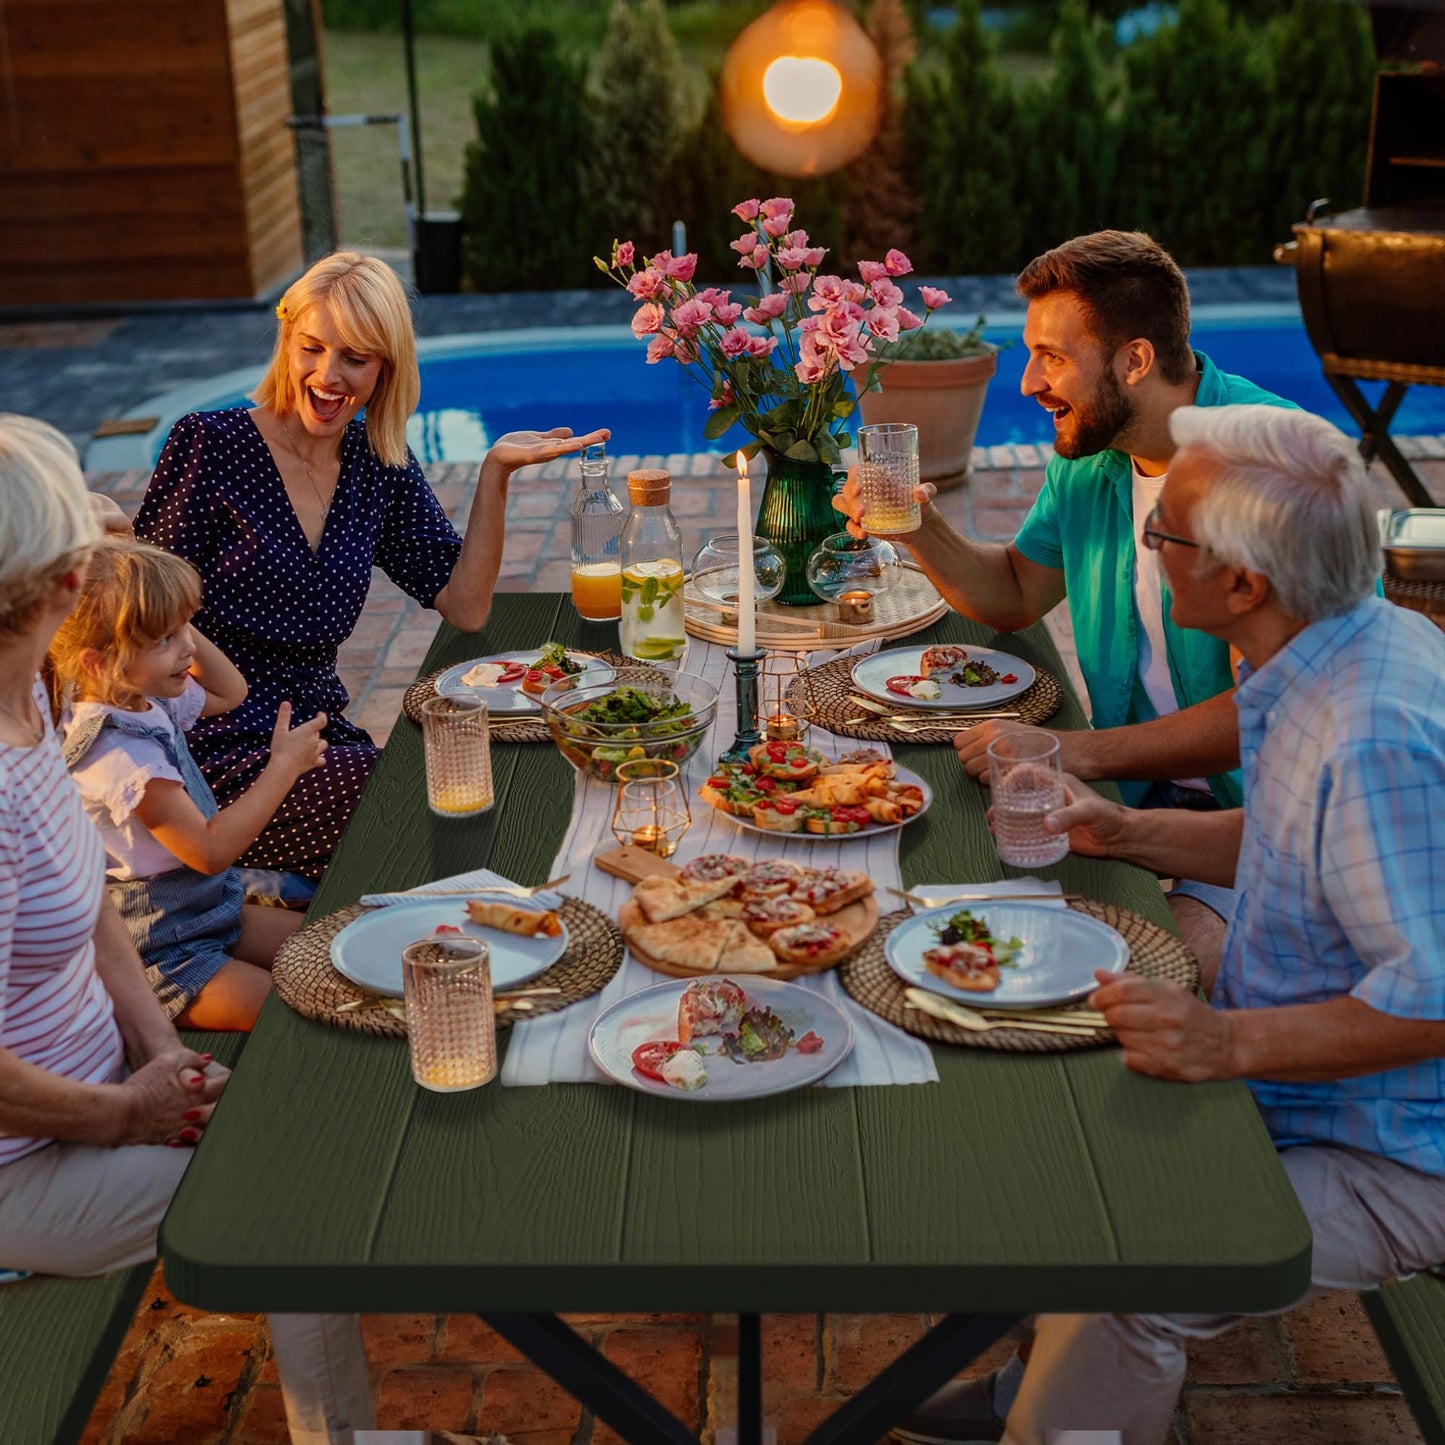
651	552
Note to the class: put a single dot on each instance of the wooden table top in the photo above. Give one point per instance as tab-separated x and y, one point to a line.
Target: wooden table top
329	1181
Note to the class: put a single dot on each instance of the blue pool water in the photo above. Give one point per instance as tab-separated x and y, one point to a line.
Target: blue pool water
474	389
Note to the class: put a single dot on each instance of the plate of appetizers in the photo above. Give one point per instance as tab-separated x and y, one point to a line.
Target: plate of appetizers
725	914
945	676
718	1039
511	682
1005	954
521	941
791	789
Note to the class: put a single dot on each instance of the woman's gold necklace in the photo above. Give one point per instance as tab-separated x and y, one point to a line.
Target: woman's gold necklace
310	475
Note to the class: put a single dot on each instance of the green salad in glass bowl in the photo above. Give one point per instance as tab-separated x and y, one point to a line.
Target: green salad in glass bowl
601	720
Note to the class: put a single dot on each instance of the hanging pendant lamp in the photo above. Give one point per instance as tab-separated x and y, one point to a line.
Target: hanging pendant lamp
801	88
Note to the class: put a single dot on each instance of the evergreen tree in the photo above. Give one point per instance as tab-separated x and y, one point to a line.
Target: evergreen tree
522	197
638	125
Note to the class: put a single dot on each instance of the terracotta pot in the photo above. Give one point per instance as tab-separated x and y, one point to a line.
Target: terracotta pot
943	399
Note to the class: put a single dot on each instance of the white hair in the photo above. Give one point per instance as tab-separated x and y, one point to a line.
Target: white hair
45	515
1290	499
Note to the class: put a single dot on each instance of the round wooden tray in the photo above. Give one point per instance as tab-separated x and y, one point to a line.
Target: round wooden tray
859	919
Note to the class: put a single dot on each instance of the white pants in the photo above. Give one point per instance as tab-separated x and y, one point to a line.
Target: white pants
78	1209
1372	1220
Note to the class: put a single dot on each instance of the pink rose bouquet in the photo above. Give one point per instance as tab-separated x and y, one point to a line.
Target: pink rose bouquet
783	375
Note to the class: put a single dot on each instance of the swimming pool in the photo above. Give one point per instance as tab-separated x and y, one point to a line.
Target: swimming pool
476	387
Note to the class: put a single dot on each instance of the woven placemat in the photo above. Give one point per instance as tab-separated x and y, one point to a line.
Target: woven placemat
1418	596
1154	952
827	692
307	982
528	729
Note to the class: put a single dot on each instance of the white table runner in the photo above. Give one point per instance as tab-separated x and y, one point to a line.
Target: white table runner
553	1049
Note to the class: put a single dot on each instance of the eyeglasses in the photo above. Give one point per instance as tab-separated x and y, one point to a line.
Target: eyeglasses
1154	539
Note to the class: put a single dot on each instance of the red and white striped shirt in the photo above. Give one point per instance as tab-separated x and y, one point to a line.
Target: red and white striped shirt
55	1012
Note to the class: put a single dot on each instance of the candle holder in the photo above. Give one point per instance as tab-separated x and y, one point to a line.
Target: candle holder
855	607
788	711
745	665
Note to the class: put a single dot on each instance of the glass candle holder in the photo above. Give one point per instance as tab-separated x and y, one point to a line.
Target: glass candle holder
652	810
450	1024
786	709
457	750
844	564
715	573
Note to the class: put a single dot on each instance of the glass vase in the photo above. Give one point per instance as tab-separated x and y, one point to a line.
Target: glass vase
795	515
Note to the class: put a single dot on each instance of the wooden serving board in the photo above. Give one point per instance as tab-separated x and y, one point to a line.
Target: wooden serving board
634	864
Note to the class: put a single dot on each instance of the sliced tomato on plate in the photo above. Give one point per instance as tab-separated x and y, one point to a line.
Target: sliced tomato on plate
1009	677
649	1058
810	1043
766	785
847	813
900	685
785	806
513	672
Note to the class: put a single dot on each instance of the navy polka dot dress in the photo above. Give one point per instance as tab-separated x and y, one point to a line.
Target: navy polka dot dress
279	612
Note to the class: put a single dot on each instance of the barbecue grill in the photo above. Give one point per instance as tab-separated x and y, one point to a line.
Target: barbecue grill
1372	281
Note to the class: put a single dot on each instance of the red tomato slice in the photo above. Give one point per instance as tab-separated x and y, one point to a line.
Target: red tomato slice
513	672
446	928
766	785
1008	677
847	813
648	1059
749	769
720	783
810	1043
900	685
553	671
786	806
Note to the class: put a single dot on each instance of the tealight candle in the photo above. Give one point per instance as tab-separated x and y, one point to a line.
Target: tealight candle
782	727
652	837
855	607
747	581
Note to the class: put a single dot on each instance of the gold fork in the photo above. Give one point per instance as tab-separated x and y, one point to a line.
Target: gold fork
941	1008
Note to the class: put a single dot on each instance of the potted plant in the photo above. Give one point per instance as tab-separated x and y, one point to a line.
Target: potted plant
784	375
936	379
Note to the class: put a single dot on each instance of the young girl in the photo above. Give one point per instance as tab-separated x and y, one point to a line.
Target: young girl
135	676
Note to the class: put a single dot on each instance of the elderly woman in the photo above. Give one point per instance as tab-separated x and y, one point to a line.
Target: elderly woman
285	509
94	1082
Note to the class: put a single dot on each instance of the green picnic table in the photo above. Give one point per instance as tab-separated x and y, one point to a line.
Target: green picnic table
1018	1183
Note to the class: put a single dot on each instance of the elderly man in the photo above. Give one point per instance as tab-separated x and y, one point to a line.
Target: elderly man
1330	999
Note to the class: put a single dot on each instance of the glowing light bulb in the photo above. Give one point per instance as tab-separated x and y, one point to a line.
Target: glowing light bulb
802	88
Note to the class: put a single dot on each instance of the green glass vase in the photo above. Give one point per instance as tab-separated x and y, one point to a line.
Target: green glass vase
795	515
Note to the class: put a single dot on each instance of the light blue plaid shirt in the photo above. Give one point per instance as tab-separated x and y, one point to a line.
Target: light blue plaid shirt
1342	864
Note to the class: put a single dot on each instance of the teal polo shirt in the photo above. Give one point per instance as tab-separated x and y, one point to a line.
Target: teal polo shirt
1083	523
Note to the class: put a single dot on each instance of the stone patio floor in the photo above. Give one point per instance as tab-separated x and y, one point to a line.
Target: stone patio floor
1315	1376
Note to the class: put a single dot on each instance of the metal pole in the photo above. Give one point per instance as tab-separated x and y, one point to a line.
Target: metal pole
409	42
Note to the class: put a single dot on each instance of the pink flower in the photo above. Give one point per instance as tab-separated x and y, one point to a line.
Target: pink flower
661	260
827	291
777	206
769	307
648	320
690	315
757	260
682	267
734	343
796	238
647	284
872	271
726	312
744	244
811	369
815	256
933	298
886	294
797	283
852	291
625	253
724	398
907	321
684	351
658	349
791	258
746	210
882	323
759	346
897	263
775	225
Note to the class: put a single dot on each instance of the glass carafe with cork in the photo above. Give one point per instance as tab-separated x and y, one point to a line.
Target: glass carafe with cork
652	607
596	531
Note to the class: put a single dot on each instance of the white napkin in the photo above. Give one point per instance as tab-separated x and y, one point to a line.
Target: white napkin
942	893
478	878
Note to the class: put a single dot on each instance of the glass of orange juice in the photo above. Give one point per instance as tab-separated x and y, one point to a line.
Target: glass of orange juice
597	590
457	749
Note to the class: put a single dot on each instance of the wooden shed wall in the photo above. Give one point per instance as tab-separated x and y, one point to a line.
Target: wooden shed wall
143	150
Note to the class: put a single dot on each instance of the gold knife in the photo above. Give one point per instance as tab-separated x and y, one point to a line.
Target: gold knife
942	1008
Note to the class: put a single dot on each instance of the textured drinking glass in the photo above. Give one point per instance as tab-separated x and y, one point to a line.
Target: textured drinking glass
651	811
1028	784
887	476
449	1020
458	756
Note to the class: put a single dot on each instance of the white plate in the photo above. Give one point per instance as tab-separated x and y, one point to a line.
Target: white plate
368	950
1060	953
902	775
871	675
652	1014
509	697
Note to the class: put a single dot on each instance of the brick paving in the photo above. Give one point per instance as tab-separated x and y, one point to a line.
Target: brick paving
1315	1376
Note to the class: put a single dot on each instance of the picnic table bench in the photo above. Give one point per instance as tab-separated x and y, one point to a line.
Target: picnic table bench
1409	1317
59	1337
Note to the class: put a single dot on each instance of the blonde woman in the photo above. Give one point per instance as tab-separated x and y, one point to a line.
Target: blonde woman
94	1081
285	508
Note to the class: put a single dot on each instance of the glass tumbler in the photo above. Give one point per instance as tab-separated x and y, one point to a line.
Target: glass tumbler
449	1020
887	477
651	811
458	756
1028	784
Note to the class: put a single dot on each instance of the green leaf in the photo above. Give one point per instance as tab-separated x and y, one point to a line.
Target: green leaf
827	449
649	592
644	613
844	406
719	421
802	452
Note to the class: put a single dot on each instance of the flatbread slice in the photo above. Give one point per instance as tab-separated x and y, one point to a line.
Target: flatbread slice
745	953
689	942
661	899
